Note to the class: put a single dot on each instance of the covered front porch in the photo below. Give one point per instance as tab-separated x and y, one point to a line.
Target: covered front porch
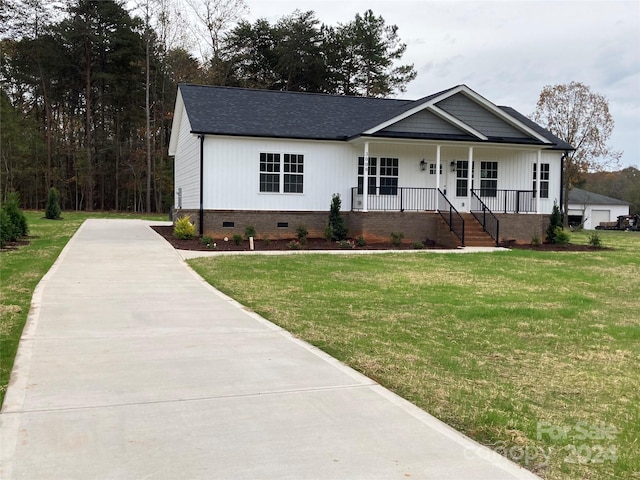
399	175
419	199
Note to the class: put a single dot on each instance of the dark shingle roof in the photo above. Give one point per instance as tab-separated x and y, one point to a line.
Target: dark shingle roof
559	144
579	196
277	114
269	113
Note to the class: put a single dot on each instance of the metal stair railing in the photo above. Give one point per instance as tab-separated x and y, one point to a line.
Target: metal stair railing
485	217
451	216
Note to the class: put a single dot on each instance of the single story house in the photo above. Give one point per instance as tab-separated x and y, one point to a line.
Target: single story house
451	167
589	209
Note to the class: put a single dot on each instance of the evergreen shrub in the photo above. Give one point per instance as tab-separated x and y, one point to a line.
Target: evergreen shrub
52	211
336	222
184	229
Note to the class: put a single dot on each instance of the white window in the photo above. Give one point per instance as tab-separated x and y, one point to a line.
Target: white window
293	173
462	174
281	173
544	180
383	180
488	179
372	174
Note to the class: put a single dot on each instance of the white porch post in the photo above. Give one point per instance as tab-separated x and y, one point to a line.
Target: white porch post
469	178
438	166
538	176
365	179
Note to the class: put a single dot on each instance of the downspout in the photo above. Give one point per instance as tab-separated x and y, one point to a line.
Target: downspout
562	162
201	212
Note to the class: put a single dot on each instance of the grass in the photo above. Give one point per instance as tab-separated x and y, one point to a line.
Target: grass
21	270
535	354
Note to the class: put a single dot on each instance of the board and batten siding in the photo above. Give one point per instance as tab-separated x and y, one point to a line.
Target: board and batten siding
232	171
232	174
187	167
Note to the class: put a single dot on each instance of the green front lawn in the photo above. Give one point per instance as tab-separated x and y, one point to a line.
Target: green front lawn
535	354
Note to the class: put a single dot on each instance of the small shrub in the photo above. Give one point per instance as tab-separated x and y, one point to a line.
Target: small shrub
249	231
208	241
361	242
294	245
561	237
7	229
302	233
417	245
535	240
595	241
396	238
12	208
338	228
347	244
184	229
554	221
52	212
266	241
237	239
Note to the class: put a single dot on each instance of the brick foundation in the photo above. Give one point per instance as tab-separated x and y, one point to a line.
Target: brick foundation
522	227
375	227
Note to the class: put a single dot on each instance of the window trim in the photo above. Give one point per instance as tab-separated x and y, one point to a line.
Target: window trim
545	170
283	171
488	178
462	181
384	175
372	176
389	175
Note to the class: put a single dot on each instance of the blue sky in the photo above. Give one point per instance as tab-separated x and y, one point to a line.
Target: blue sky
507	51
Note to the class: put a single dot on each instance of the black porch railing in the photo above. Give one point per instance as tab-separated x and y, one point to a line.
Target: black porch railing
397	199
507	201
451	216
485	216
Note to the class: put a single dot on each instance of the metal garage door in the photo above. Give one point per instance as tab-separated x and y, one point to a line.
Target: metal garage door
598	216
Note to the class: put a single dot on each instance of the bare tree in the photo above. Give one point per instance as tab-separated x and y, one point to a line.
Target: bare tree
580	117
215	18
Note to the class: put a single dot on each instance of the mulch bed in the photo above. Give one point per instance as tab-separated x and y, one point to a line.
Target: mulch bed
261	245
321	244
17	244
549	247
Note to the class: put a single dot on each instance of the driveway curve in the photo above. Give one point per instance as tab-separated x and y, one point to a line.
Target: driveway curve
132	367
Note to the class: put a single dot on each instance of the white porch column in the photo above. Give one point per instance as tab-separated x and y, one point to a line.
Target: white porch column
538	176
365	179
438	166
469	179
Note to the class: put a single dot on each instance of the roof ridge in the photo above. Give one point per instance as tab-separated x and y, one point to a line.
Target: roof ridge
290	92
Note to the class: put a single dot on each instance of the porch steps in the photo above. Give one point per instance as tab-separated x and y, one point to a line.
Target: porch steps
474	235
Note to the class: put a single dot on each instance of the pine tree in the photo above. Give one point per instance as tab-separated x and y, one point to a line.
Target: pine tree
336	222
52	211
554	221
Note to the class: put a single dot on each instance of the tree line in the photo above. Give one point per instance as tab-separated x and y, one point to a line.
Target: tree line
89	86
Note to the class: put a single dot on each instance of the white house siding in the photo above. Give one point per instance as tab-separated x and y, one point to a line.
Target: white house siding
187	167
331	167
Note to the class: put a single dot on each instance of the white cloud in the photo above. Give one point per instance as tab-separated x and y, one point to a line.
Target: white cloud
509	50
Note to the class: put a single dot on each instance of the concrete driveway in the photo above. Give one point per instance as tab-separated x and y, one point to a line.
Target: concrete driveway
132	367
